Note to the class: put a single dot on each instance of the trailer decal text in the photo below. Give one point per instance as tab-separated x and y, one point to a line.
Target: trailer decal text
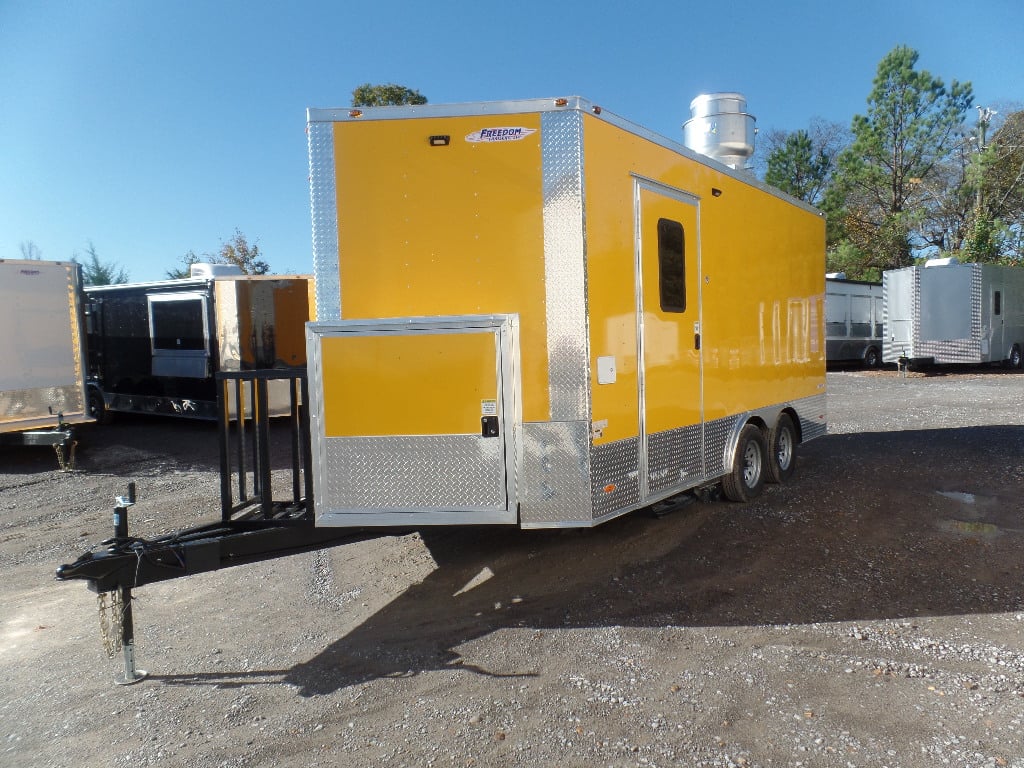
488	135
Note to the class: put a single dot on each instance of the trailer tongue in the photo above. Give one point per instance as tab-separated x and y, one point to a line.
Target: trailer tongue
253	527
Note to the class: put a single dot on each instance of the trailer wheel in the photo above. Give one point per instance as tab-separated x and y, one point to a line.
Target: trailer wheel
746	479
872	358
1015	357
98	408
782	456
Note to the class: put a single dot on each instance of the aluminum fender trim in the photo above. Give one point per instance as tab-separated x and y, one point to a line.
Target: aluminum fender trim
770	414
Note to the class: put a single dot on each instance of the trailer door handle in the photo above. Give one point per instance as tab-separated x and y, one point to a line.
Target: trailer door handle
489	426
696	341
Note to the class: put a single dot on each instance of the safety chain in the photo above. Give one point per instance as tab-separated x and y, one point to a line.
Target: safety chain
66	466
111	617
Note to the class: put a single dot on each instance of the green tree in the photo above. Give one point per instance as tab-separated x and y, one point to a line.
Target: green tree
847	258
911	127
367	95
995	231
185	270
801	163
97	272
236	251
246	257
946	198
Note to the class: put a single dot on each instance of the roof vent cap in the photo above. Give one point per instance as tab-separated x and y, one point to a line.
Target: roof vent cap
721	128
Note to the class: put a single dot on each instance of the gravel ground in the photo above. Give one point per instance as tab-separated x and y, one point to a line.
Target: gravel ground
869	613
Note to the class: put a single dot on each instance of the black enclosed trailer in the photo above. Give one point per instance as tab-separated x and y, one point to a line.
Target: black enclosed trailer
157	347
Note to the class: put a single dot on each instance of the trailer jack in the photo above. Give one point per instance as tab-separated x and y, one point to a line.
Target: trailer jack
121	607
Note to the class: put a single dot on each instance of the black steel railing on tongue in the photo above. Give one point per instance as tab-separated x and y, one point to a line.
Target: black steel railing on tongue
254	526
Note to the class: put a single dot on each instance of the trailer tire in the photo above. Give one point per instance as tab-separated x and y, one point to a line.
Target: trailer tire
782	444
98	407
872	357
746	479
1015	360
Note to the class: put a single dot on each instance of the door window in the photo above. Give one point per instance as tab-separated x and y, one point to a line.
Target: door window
671	266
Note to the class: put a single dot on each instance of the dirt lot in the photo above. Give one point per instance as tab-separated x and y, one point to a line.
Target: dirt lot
868	614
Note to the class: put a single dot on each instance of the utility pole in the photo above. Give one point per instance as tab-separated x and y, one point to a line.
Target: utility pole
985	116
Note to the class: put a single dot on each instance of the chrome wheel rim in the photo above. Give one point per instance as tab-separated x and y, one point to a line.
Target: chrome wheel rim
751	464
784	453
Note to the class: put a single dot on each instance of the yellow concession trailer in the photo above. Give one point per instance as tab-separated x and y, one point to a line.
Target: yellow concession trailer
537	313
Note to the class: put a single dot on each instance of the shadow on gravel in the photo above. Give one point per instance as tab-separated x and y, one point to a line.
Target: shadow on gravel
137	442
929	371
875	526
28	459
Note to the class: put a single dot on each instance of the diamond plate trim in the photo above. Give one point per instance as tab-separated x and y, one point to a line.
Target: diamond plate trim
28	408
615	464
565	265
674	458
807	409
555	474
717	437
324	206
412	473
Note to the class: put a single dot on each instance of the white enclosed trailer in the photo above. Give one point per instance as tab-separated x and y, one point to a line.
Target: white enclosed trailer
954	313
42	373
853	321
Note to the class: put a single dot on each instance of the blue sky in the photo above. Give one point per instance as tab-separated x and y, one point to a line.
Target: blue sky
152	129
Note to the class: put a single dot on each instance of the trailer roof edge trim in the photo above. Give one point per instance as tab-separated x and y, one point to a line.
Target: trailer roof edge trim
193	282
552	104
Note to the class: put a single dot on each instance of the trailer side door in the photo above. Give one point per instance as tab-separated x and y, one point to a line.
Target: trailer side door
668	335
414	422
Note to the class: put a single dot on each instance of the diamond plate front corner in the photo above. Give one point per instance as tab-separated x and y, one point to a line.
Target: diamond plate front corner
565	265
554	481
324	205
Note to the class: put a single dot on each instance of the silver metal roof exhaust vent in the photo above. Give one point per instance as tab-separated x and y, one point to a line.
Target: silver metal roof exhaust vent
721	128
